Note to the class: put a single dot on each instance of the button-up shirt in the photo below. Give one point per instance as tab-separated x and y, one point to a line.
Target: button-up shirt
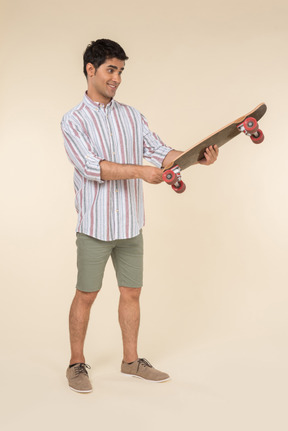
109	210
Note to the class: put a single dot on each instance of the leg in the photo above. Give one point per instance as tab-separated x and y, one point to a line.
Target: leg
78	322
92	256
129	319
127	259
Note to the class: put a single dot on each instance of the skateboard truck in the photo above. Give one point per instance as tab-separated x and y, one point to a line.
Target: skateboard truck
173	178
250	128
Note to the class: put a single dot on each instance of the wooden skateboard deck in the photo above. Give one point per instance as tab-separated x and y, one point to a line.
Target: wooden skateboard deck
219	138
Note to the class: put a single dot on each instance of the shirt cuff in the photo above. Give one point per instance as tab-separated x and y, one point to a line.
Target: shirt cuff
92	169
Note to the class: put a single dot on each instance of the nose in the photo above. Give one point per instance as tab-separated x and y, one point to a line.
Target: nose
117	78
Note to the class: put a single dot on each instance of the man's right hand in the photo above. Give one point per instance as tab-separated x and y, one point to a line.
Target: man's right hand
151	175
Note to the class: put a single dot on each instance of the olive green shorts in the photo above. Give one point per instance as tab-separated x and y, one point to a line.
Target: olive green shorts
93	254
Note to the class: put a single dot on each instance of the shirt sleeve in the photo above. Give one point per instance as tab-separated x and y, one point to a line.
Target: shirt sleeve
80	152
154	150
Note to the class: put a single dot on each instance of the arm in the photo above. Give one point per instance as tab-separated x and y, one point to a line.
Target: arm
116	171
171	156
94	168
80	152
210	156
155	150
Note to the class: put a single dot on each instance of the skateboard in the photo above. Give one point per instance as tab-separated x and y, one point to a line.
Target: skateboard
248	124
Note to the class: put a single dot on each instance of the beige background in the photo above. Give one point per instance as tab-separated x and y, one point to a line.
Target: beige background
214	307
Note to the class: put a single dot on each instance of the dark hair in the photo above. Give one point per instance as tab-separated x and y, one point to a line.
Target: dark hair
99	51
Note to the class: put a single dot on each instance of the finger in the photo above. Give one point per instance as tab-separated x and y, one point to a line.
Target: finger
216	149
210	150
213	152
208	154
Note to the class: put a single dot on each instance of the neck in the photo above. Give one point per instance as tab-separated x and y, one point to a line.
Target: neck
97	98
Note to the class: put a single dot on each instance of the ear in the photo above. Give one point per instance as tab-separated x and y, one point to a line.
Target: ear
90	69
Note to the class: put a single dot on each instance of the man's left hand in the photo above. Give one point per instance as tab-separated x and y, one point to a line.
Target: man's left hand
210	155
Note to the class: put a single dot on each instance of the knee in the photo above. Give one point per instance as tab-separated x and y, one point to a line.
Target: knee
130	293
86	298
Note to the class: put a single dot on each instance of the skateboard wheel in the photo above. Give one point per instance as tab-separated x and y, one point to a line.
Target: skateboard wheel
169	177
259	138
181	188
250	125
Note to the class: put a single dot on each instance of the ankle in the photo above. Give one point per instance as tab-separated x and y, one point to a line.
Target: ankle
130	359
77	360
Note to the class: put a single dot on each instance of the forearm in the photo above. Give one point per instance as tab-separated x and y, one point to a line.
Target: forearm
117	171
171	156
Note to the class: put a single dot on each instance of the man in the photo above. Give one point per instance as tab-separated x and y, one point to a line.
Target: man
106	142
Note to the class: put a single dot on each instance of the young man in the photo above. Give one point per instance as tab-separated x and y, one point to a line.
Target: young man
106	142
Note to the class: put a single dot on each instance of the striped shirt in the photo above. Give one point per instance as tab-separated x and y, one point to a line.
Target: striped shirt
108	210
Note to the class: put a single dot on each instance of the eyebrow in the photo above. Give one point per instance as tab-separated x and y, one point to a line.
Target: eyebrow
115	67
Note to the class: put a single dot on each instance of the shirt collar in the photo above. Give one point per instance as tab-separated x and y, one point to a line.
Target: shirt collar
97	105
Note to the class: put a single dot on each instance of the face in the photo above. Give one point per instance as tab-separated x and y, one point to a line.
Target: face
103	84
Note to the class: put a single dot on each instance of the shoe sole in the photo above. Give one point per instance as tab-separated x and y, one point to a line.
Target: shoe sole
81	392
146	380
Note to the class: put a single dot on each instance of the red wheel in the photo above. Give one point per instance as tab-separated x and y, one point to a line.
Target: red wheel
259	138
250	125
181	188
169	177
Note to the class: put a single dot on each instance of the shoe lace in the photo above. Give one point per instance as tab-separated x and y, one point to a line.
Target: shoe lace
81	368
144	362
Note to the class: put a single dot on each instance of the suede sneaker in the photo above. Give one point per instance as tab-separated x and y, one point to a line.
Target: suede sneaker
144	370
78	378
